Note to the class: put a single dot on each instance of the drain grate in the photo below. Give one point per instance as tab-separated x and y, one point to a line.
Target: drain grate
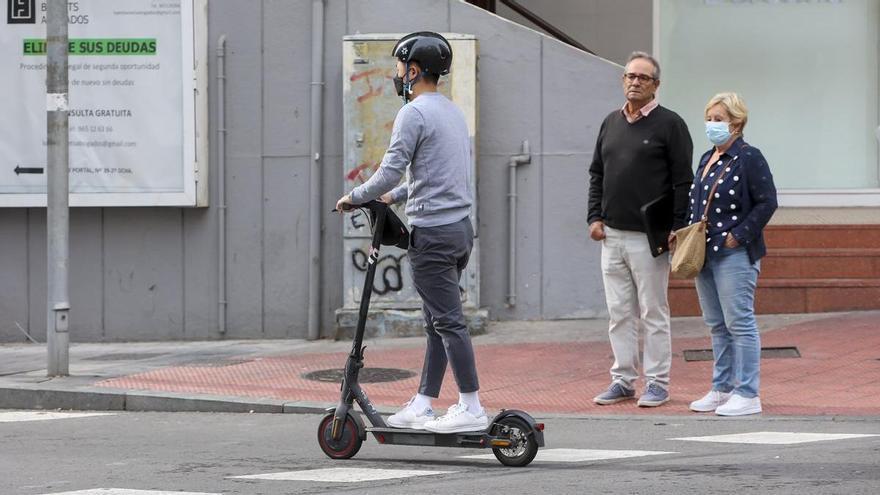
217	364
766	353
367	375
121	356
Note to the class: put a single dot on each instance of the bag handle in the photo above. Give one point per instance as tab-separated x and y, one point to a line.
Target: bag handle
705	217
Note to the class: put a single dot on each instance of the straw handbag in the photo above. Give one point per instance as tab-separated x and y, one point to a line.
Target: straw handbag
690	242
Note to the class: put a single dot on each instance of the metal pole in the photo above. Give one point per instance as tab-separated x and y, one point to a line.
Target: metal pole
57	206
515	161
317	124
221	183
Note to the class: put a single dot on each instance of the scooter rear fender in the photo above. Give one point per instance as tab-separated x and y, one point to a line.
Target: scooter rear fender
537	431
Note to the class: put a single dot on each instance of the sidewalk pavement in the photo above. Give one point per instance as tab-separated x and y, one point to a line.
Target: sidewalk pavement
542	367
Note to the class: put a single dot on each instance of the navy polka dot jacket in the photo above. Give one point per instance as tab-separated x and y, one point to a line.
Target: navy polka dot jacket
743	203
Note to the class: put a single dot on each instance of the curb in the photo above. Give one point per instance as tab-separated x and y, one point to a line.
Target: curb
94	399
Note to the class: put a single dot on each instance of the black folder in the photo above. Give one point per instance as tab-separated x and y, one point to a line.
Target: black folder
657	219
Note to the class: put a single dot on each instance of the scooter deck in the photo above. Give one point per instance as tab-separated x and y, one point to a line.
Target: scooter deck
405	436
372	429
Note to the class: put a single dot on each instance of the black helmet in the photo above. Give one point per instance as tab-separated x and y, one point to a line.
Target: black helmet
430	50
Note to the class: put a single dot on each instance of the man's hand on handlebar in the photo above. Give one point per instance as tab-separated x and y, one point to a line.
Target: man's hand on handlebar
387	199
344	204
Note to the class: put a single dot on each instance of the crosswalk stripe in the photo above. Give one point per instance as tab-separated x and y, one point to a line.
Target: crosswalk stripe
124	491
342	475
579	455
16	416
775	437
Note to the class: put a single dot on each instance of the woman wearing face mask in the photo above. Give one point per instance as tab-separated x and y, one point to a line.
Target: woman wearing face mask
739	209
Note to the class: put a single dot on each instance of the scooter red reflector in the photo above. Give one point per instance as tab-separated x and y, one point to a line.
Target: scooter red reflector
380	438
539	426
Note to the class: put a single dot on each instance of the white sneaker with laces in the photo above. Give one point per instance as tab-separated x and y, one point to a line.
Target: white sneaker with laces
458	419
710	401
409	417
738	405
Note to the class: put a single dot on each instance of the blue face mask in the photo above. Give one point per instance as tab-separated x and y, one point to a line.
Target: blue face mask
718	132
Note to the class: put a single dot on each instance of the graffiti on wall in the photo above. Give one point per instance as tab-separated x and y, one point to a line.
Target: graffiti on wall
357	220
374	107
389	271
370	107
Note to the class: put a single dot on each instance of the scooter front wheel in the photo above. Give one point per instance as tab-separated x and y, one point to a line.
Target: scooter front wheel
348	444
522	449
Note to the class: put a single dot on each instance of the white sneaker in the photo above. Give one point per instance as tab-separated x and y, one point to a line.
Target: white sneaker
710	401
738	405
458	419
409	417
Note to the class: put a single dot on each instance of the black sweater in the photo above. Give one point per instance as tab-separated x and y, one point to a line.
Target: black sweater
634	164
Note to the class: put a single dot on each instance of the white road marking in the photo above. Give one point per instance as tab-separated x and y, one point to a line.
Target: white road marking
342	475
579	455
774	437
15	416
123	491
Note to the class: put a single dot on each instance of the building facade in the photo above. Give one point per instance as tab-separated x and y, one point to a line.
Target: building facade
152	273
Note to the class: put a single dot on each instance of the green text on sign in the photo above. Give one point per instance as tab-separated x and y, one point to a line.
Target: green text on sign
97	46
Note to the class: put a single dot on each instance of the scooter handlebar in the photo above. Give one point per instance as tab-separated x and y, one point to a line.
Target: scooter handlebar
374	206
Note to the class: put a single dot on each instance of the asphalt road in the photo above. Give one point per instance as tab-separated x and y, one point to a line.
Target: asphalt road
202	453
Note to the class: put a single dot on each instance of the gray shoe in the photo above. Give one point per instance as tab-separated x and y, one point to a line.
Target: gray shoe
653	396
615	393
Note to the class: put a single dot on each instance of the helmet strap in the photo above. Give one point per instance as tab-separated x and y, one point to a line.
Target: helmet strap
408	84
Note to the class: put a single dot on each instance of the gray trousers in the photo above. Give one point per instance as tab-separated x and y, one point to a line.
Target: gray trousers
636	285
437	256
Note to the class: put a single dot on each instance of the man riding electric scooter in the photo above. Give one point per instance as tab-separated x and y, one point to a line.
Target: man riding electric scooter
430	136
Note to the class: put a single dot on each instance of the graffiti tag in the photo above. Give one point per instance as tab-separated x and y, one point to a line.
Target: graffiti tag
388	266
355	220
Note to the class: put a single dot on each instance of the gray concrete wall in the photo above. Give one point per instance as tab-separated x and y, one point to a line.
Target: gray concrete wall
611	29
150	273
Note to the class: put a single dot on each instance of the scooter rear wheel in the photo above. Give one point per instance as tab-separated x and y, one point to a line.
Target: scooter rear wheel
348	444
523	448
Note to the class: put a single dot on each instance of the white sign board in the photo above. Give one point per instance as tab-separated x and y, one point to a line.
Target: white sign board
133	104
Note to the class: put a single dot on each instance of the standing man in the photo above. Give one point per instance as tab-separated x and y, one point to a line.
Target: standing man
430	136
643	152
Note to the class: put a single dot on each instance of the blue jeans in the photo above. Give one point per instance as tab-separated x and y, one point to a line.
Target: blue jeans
726	287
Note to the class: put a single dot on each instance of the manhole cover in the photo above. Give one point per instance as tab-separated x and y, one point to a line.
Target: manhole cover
766	353
367	375
131	356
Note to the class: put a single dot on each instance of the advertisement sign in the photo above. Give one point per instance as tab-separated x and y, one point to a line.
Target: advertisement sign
132	103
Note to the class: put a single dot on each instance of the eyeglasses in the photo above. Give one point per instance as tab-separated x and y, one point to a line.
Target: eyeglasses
630	77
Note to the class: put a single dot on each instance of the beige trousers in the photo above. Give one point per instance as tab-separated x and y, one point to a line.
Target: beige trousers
636	287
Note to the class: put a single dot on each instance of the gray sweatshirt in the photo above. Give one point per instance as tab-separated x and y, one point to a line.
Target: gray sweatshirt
430	136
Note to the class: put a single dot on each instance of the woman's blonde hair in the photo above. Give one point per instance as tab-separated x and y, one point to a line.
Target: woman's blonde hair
734	105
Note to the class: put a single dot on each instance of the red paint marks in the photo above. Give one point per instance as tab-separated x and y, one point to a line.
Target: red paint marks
366	73
357	172
372	93
352	175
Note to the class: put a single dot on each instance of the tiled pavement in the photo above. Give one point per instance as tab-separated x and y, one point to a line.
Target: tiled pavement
838	373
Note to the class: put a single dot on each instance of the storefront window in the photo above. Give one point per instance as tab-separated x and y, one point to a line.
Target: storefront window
808	70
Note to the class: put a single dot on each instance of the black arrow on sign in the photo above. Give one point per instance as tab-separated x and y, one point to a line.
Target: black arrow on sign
28	170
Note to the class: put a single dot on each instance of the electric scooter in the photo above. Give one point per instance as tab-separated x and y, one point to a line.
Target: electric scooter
514	436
